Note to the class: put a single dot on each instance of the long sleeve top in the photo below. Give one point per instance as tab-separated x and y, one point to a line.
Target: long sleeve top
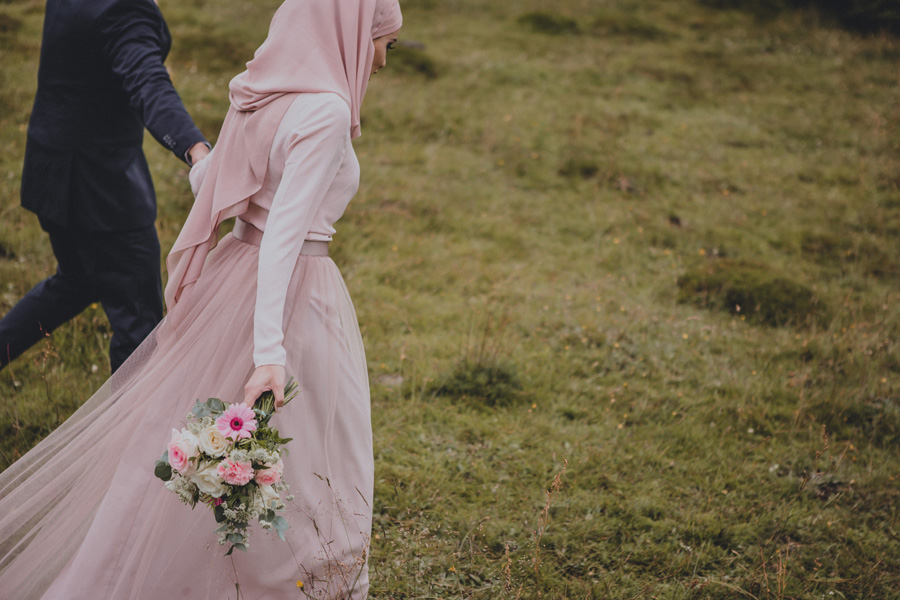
312	175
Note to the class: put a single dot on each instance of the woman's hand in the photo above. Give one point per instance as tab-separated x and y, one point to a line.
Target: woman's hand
198	172
265	378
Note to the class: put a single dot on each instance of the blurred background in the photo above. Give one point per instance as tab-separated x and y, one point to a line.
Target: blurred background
626	271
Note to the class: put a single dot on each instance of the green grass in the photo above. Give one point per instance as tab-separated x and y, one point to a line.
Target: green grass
529	203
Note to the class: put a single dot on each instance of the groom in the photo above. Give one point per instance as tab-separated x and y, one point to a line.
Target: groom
101	81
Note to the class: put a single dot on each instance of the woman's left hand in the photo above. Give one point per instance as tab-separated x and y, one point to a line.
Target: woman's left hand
265	378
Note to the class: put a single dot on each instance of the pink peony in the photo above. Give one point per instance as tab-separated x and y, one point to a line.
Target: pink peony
237	422
270	475
235	473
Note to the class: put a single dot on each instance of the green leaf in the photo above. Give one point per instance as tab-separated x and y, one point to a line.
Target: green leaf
242	547
163	470
200	410
219	513
215	405
281	526
290	390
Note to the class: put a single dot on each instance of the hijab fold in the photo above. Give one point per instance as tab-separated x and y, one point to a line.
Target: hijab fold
313	46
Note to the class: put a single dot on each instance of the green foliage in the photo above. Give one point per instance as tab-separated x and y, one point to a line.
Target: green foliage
163	469
211	408
752	289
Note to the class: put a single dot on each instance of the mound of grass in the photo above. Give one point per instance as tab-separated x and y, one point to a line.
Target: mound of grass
412	60
583	167
9	24
549	23
833	249
864	16
482	384
874	420
214	51
752	289
626	25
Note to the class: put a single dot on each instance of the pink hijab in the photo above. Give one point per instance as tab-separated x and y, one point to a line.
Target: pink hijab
312	46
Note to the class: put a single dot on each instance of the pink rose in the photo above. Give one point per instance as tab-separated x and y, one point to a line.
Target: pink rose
235	473
182	448
270	475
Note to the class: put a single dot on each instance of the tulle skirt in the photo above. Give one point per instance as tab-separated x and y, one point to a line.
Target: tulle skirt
83	517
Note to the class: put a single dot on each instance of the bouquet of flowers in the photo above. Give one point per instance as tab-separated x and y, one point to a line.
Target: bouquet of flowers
229	458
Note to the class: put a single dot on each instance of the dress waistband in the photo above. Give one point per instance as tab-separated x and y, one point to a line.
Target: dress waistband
249	234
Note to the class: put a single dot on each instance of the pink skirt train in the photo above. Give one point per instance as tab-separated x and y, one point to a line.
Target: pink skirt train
83	517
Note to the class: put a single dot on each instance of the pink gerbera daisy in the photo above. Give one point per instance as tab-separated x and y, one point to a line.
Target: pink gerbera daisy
237	422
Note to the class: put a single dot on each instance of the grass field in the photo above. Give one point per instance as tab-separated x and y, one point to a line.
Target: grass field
627	274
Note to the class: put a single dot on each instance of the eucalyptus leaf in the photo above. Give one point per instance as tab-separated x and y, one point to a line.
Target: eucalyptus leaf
200	410
281	526
163	470
215	405
219	513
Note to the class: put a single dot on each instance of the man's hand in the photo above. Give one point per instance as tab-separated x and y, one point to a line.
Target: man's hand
265	378
197	152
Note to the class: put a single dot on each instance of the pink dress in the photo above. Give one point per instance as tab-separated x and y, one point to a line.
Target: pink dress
83	517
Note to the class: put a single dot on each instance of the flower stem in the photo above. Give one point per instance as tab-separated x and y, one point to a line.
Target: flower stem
266	401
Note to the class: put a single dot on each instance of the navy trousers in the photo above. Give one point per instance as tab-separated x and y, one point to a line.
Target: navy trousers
118	269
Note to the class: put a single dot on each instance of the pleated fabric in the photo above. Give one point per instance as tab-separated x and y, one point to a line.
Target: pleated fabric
83	517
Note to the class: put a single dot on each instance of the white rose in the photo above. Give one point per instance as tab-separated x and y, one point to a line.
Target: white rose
213	442
191	441
208	480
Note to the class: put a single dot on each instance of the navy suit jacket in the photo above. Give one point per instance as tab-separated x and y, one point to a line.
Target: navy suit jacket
101	80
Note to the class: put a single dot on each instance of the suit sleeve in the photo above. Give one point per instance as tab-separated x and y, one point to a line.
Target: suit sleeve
135	41
316	148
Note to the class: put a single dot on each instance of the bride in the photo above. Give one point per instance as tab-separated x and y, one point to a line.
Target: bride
82	515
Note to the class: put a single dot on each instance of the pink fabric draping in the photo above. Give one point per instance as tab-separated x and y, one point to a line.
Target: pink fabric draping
312	46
